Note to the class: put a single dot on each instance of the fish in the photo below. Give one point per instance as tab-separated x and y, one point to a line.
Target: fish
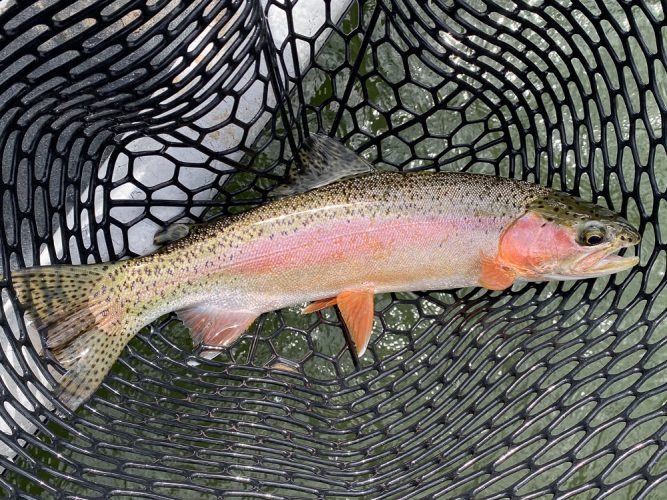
342	233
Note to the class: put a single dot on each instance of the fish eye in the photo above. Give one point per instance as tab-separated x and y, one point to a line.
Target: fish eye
592	235
593	239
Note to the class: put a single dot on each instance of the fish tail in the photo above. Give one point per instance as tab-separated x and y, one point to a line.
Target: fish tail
74	308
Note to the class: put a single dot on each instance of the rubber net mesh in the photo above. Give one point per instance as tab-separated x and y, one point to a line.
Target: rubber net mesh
117	118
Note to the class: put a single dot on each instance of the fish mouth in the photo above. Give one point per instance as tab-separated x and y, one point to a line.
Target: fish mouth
592	266
607	261
611	264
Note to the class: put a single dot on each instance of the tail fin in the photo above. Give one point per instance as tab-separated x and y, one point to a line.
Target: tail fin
71	308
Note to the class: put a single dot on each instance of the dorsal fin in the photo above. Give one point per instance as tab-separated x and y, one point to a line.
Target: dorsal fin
323	161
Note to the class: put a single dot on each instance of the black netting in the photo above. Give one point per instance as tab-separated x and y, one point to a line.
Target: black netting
119	117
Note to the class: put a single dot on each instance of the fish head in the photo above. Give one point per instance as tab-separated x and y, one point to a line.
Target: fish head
561	237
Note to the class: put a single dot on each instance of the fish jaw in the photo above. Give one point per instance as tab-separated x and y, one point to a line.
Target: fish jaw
607	265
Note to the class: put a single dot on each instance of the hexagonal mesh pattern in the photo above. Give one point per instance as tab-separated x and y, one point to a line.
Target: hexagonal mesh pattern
119	117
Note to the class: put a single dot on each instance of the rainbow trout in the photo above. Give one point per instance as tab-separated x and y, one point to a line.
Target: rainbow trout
339	244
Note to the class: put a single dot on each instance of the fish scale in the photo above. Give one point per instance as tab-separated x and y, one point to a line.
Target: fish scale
338	244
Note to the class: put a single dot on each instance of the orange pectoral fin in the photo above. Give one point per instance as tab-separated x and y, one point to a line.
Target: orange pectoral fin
494	275
357	309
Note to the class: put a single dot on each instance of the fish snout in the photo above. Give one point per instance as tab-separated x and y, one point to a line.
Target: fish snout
626	234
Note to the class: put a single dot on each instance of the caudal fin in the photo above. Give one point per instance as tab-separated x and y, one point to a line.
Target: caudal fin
73	308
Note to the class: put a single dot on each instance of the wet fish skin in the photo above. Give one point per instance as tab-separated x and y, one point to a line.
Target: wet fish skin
341	243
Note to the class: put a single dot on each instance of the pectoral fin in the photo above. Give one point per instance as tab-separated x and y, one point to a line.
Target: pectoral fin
211	326
495	276
356	307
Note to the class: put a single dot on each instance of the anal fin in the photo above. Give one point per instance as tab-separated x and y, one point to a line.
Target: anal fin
356	307
213	326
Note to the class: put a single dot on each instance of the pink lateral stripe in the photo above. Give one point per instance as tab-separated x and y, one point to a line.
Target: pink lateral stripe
335	243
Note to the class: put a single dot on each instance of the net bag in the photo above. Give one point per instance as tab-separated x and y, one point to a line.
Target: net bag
118	118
